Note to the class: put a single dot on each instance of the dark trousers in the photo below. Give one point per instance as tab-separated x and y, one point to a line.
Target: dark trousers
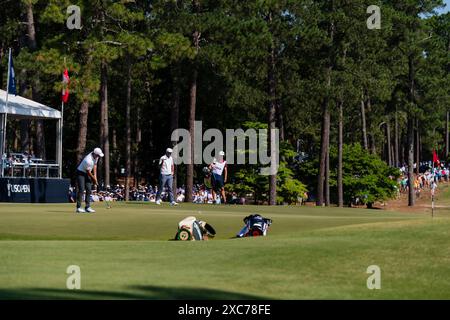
84	183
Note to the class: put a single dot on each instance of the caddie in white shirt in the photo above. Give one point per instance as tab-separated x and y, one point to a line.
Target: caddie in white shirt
166	176
86	176
219	176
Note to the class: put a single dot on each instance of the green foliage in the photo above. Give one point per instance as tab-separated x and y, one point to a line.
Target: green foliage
365	176
248	180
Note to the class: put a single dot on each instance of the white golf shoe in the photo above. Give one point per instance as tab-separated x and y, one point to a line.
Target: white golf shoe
80	210
158	202
90	210
173	203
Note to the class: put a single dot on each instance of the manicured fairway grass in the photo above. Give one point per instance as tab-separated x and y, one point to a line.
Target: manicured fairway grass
309	253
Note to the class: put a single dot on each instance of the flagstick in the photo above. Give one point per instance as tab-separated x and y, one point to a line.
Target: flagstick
432	204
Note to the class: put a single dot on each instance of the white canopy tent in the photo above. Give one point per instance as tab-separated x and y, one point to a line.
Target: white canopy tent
22	108
25	108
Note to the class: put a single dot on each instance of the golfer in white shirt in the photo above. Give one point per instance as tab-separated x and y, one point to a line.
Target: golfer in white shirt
166	176
86	176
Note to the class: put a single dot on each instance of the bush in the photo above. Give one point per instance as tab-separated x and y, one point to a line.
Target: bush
365	176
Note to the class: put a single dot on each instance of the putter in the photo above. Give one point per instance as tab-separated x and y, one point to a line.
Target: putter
107	203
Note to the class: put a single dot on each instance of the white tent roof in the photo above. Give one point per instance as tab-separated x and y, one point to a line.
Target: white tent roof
25	108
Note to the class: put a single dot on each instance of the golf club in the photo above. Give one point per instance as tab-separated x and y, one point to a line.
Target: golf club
108	204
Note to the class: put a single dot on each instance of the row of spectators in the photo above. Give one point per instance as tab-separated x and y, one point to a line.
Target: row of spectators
202	194
24	157
147	193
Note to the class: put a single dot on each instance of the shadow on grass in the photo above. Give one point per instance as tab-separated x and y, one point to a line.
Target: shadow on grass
135	293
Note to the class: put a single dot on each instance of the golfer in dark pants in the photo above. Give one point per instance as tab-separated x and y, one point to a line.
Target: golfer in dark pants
86	176
166	177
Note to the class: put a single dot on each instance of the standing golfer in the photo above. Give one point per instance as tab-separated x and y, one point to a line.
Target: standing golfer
166	176
86	176
219	176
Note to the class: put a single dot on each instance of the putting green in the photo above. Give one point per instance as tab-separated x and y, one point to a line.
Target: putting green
309	253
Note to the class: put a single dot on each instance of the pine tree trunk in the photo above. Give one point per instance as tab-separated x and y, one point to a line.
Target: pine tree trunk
40	139
128	134
25	135
392	152
16	137
373	146
82	127
410	146
340	186
2	54
174	119
104	125
190	166
39	127
31	31
410	134
323	152
280	120
388	135
272	114
403	150
137	143
32	142
369	132
363	123
84	112
446	135
417	147
396	140
192	106
327	175
31	43
325	134
117	158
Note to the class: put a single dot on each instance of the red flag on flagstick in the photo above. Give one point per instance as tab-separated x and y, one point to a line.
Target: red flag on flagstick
435	157
65	91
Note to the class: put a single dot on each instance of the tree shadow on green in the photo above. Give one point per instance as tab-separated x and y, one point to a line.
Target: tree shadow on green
134	293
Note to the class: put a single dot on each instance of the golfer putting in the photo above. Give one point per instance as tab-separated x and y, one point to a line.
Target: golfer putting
86	176
167	170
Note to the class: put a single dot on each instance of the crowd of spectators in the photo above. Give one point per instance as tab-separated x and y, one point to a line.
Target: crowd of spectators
147	193
15	159
428	177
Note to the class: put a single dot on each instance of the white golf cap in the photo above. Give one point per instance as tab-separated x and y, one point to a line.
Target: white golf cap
221	153
169	150
99	152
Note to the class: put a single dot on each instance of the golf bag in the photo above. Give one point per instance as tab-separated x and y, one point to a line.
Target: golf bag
192	229
255	225
207	179
209	183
